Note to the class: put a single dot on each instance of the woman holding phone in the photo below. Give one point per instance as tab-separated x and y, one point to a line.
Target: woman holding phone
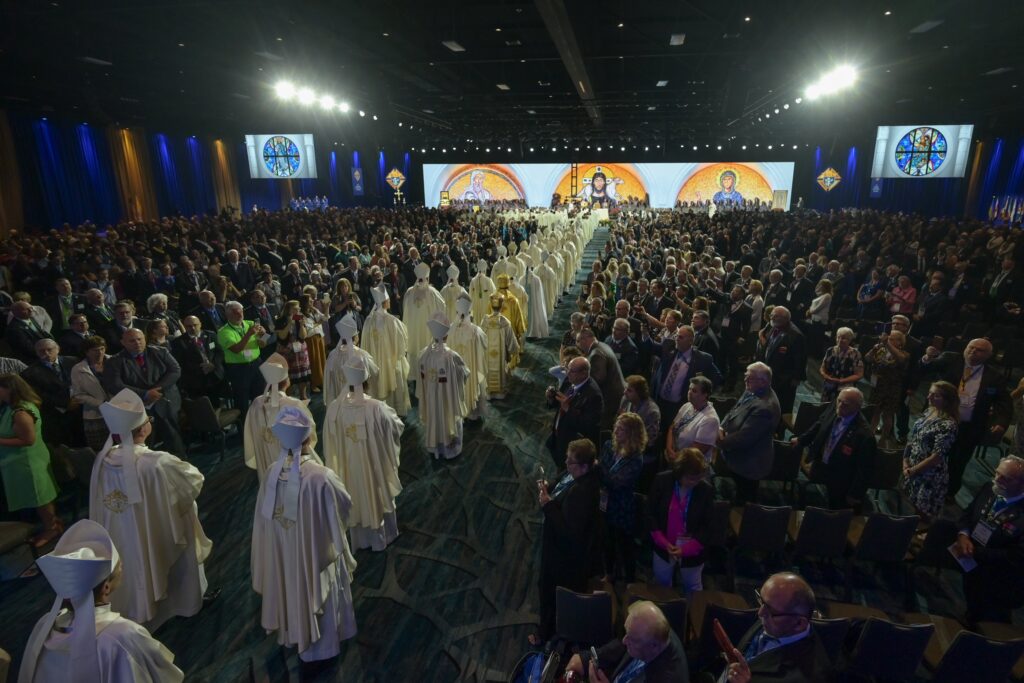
291	343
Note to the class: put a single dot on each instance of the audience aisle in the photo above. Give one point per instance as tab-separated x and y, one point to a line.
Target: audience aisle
453	599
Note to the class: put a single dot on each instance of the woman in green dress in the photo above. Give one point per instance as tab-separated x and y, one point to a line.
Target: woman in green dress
24	458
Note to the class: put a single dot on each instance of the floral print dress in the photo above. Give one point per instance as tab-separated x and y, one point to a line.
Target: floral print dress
840	364
927	491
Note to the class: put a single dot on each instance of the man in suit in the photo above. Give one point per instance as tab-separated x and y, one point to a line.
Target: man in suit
202	362
97	311
932	304
783	645
211	313
23	332
745	440
657	303
679	364
605	371
840	451
50	376
776	292
264	313
153	374
1002	287
991	532
985	405
239	272
71	339
188	284
735	326
624	348
801	292
124	320
914	348
63	305
578	400
570	507
704	338
649	648
781	346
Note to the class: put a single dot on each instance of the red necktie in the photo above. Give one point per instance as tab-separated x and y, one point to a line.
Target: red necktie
140	360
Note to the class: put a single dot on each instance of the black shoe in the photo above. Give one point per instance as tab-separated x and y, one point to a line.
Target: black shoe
211	595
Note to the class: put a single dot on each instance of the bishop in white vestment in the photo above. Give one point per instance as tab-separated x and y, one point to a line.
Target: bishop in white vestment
502	349
421	302
301	562
441	390
259	445
362	443
537	314
469	341
88	642
550	281
386	339
146	500
451	291
341	355
480	289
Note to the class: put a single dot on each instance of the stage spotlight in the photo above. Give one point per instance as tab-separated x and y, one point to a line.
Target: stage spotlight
695	148
554	149
794	146
508	149
362	113
444	151
598	149
647	149
769	146
719	147
374	117
284	90
767	115
306	96
799	100
785	106
776	110
744	147
488	150
839	78
399	124
327	102
343	107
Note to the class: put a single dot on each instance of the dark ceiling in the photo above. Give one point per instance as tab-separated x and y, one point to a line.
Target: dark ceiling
577	72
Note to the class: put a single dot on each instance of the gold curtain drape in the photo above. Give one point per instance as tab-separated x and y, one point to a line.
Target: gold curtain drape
287	191
975	179
134	173
12	216
225	182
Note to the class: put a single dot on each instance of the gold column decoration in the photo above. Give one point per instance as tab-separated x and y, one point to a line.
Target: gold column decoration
975	180
225	182
134	173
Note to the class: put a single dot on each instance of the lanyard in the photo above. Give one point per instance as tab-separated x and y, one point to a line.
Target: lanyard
679	496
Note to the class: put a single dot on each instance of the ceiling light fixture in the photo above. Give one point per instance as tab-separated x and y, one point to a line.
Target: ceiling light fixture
839	78
621	25
306	96
327	102
661	84
503	86
453	46
677	39
362	113
284	90
343	107
374	117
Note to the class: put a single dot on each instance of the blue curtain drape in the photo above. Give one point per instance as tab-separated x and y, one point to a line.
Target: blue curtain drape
201	183
256	193
382	171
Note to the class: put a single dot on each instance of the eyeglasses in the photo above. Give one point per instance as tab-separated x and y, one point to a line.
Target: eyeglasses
771	611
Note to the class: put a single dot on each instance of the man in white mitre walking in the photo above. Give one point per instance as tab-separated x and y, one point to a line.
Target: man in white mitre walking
260	446
469	341
502	348
362	443
421	302
480	289
451	291
146	500
386	339
341	355
301	562
537	313
441	390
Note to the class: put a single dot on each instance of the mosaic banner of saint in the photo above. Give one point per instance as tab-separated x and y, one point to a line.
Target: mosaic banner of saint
281	156
599	189
604	185
482	184
921	151
724	183
728	193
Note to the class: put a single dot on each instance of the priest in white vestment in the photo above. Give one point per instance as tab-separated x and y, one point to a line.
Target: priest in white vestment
469	341
480	289
512	309
146	500
516	259
362	443
88	642
386	339
259	445
451	291
552	285
502	349
441	390
502	265
537	313
341	355
301	562
421	302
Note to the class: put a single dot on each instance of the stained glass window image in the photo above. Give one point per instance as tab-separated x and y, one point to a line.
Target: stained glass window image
281	156
921	151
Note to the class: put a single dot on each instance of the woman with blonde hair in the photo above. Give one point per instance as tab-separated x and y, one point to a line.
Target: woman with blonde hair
926	456
313	320
621	464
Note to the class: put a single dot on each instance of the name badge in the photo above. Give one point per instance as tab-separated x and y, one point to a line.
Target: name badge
982	533
847	450
296	347
211	346
725	321
249	354
789	296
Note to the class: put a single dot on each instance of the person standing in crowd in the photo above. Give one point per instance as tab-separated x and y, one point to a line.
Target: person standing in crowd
818	316
680	363
781	346
242	341
840	451
985	408
889	359
25	459
926	457
914	349
23	332
570	507
291	343
72	339
841	367
578	399
745	439
313	321
679	509
87	388
636	398
202	362
621	462
605	371
989	534
623	347
696	424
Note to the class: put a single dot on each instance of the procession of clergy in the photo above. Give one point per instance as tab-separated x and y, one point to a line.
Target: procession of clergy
138	560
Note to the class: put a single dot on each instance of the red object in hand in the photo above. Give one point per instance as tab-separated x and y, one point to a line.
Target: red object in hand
571	677
297	317
723	642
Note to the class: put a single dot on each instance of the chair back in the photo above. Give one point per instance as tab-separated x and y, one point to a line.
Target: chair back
885	475
764	528
822	533
584	619
675	611
201	415
735	622
890	651
934	551
718	530
723	405
886	538
786	463
832	633
973	657
806	415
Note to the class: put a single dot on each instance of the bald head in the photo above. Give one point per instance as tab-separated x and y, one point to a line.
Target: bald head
787	604
978	352
647	631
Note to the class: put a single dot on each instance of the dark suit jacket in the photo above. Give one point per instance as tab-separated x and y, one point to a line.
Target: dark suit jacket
700	364
1008	290
707	341
775	295
804	661
240	274
605	370
698	513
71	342
931	307
626	354
580	421
113	333
570	530
188	289
657	307
162	372
253	313
195	382
97	319
207	320
22	336
787	357
748	446
739	323
668	667
852	459
53	389
799	297
1001	560
52	307
993	405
